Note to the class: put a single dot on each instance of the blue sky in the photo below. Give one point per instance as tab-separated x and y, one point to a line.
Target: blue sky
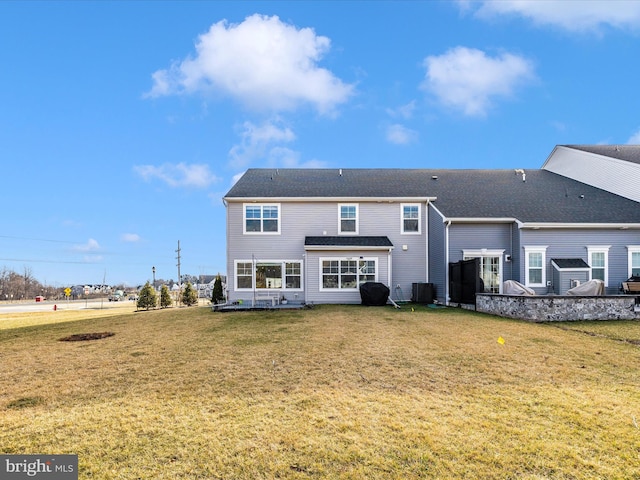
123	124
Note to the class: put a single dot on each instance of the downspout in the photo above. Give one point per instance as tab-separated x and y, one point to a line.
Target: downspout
446	262
227	265
304	283
426	241
389	272
510	251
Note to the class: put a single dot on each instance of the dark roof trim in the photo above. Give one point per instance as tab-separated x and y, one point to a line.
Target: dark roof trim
570	264
351	242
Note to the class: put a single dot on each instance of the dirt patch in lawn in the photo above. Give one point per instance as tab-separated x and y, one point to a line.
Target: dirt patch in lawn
80	337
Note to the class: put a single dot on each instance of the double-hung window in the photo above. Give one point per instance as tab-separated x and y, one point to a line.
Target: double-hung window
598	260
262	218
244	275
410	218
535	262
346	274
293	275
634	260
348	219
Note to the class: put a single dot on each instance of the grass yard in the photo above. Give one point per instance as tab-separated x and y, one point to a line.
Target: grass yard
344	392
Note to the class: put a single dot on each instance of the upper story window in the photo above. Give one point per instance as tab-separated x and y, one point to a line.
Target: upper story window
348	221
262	218
598	260
410	218
534	267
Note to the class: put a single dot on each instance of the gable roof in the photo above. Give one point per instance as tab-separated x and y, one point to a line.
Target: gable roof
545	197
628	153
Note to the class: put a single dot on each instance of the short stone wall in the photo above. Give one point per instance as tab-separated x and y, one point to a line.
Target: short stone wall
559	308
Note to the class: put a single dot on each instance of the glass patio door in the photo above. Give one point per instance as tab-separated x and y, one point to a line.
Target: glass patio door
490	271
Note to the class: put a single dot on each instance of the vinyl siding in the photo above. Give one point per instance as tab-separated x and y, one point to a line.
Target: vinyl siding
301	219
466	236
313	270
437	258
572	243
478	236
611	174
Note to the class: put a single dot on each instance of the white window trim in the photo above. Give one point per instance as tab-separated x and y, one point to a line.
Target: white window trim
261	205
253	275
235	275
357	219
535	249
631	249
599	249
485	252
339	259
402	205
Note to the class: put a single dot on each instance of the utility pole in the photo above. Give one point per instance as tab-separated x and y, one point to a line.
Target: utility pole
179	277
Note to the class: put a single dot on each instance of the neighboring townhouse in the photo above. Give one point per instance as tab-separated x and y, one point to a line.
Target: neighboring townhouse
314	235
615	168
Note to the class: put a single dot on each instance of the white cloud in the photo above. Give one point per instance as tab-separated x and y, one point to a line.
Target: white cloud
403	111
401	135
573	16
257	141
467	79
287	158
263	62
635	139
130	237
91	246
179	175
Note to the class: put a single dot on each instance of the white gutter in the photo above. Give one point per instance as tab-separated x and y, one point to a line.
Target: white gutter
481	219
538	225
314	248
330	199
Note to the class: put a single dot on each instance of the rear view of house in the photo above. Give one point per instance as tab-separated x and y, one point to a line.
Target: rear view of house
315	235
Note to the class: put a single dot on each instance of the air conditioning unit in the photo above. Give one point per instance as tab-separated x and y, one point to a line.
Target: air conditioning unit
575	283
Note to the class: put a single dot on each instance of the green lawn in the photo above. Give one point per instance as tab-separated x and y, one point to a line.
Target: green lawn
330	392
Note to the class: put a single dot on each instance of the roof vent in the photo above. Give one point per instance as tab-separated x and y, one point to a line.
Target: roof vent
521	172
340	173
434	177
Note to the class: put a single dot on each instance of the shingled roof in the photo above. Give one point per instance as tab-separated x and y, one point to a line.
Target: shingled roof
348	241
629	153
544	197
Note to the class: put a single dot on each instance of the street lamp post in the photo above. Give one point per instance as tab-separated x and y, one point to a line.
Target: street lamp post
153	269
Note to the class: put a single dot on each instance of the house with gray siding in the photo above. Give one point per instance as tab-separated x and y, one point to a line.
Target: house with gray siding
314	235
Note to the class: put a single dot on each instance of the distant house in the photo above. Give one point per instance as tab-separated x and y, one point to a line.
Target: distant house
314	235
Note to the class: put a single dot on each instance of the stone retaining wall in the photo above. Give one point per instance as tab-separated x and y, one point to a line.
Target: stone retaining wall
559	308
